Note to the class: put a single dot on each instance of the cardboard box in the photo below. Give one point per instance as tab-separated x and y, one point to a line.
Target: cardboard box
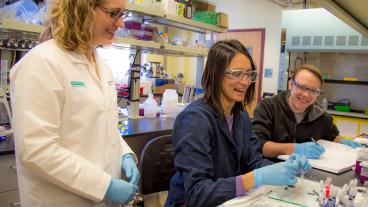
205	6
161	89
222	20
171	7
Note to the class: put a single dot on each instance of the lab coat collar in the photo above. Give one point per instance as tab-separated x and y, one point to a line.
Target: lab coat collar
79	58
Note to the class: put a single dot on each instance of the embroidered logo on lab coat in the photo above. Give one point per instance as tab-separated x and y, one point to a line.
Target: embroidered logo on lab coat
77	84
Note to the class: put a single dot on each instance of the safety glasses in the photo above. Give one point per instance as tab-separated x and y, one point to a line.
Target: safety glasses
303	88
115	13
239	74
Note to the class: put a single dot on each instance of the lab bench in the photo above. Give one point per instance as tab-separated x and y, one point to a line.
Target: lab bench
140	131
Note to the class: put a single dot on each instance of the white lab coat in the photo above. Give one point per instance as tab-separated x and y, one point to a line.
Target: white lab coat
66	139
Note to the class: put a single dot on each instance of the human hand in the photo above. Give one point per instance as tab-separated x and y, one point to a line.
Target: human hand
310	149
120	191
130	169
303	163
282	173
350	143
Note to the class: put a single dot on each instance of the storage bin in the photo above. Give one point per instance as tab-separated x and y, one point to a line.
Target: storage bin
147	32
205	6
342	108
134	27
138	30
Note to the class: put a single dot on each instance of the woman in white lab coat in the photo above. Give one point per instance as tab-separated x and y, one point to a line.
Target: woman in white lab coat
68	148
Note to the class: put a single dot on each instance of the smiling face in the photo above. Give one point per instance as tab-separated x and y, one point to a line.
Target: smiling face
233	90
105	26
301	97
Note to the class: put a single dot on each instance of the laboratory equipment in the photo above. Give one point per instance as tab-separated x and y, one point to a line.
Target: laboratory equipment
363	172
361	156
169	101
150	107
361	165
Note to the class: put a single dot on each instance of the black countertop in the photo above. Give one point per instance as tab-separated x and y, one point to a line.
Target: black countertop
142	126
135	127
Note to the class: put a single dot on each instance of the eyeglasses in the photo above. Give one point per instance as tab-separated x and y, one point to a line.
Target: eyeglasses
238	74
303	88
114	14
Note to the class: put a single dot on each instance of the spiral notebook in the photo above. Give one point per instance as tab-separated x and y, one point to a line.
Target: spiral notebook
337	158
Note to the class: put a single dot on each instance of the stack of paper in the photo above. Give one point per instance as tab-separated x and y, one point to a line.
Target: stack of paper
337	158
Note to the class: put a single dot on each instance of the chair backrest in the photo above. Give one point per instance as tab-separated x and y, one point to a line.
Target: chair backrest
157	165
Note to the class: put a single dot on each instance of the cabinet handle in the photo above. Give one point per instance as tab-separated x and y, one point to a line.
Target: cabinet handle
17	204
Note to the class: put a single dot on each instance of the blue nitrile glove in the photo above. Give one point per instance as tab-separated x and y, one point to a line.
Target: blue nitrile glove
120	191
310	149
130	168
350	143
303	163
282	173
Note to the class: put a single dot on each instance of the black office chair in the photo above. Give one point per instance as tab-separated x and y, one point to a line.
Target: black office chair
157	165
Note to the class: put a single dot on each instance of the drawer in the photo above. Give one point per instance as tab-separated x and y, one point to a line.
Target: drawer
8	173
10	199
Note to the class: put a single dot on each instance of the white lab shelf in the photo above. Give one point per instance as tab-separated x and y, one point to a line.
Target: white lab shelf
184	51
130	42
174	20
185	23
145	10
20	26
155	47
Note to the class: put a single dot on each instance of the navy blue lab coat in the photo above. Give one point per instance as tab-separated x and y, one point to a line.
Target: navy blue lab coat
208	157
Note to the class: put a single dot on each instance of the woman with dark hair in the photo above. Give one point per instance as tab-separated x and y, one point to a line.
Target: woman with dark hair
217	156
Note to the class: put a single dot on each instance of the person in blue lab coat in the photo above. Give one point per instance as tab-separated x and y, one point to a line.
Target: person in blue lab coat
217	157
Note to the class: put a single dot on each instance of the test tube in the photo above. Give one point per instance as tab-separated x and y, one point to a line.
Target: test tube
345	188
349	202
321	200
340	195
321	185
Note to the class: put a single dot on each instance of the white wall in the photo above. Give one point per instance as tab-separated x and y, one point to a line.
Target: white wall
314	21
248	14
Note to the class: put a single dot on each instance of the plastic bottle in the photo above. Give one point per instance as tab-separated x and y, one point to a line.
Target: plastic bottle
169	101
361	156
150	107
324	103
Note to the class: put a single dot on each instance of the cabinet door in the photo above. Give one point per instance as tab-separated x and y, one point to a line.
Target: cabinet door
363	126
10	199
8	174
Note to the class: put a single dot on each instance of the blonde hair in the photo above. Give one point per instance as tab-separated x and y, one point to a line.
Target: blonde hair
311	68
70	23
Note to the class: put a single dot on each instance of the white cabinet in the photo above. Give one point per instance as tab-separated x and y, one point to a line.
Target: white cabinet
10	199
9	195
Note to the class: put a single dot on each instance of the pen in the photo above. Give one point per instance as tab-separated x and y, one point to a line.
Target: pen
313	140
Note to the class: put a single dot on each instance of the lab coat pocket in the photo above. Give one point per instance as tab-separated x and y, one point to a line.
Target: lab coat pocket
112	95
82	100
